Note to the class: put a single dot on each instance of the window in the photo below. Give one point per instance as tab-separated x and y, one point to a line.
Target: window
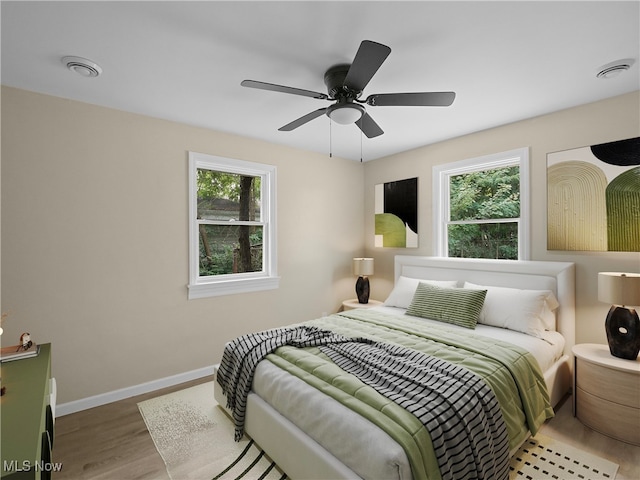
232	229
481	207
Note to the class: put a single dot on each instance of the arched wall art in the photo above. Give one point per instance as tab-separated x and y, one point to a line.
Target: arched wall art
593	198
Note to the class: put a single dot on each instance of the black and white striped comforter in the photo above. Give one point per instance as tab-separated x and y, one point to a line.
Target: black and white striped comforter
241	356
456	406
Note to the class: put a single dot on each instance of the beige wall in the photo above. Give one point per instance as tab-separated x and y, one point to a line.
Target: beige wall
605	121
94	241
94	232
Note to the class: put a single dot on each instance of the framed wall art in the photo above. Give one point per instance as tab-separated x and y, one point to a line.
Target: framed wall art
396	210
593	198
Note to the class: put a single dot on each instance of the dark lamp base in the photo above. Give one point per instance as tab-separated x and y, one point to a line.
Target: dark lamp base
623	332
362	289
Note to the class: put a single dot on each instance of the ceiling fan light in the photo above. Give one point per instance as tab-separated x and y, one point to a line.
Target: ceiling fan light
345	114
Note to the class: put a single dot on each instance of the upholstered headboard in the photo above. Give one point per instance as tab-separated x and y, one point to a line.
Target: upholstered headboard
559	277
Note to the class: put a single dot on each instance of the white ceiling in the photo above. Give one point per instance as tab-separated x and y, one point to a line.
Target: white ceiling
184	61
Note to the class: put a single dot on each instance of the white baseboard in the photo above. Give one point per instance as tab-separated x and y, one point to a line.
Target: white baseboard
121	394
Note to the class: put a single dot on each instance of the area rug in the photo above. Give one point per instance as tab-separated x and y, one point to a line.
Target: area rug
195	439
542	457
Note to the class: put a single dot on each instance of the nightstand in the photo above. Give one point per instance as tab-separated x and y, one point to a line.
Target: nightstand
353	303
607	392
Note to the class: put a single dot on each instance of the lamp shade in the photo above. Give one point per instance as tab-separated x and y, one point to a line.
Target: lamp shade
618	288
363	266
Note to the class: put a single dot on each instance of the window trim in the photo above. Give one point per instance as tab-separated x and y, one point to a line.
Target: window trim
440	192
267	279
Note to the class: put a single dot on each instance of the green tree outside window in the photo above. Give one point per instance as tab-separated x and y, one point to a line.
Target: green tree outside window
484	209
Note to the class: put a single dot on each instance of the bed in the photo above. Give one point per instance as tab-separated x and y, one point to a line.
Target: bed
312	435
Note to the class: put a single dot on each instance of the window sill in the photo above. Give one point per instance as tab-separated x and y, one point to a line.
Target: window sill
230	287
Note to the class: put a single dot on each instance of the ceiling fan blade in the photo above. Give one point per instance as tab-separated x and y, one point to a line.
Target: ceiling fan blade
302	120
419	99
368	126
281	88
366	63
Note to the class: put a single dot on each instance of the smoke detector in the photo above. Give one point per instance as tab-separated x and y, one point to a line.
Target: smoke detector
82	66
613	69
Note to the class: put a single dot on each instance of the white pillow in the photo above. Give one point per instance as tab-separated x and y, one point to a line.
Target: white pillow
405	288
548	313
526	311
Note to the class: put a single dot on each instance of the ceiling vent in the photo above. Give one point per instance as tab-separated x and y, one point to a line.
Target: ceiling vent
82	66
614	69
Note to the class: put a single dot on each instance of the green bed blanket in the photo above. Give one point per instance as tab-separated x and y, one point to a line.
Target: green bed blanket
512	373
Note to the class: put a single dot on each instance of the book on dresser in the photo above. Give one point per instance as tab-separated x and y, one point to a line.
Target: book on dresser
17	352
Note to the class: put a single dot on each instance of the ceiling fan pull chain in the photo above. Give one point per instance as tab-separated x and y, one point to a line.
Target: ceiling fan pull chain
360	146
330	141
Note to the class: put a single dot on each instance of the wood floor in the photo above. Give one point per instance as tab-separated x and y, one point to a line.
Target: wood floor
111	442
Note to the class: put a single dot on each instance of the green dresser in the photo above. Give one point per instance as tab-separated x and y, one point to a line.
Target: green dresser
27	421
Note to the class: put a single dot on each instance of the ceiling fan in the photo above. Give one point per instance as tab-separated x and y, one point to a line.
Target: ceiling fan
345	83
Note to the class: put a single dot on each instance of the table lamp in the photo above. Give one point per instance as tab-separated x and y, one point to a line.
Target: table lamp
362	267
622	324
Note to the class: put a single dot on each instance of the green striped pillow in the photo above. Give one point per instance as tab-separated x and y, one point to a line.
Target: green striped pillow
460	306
